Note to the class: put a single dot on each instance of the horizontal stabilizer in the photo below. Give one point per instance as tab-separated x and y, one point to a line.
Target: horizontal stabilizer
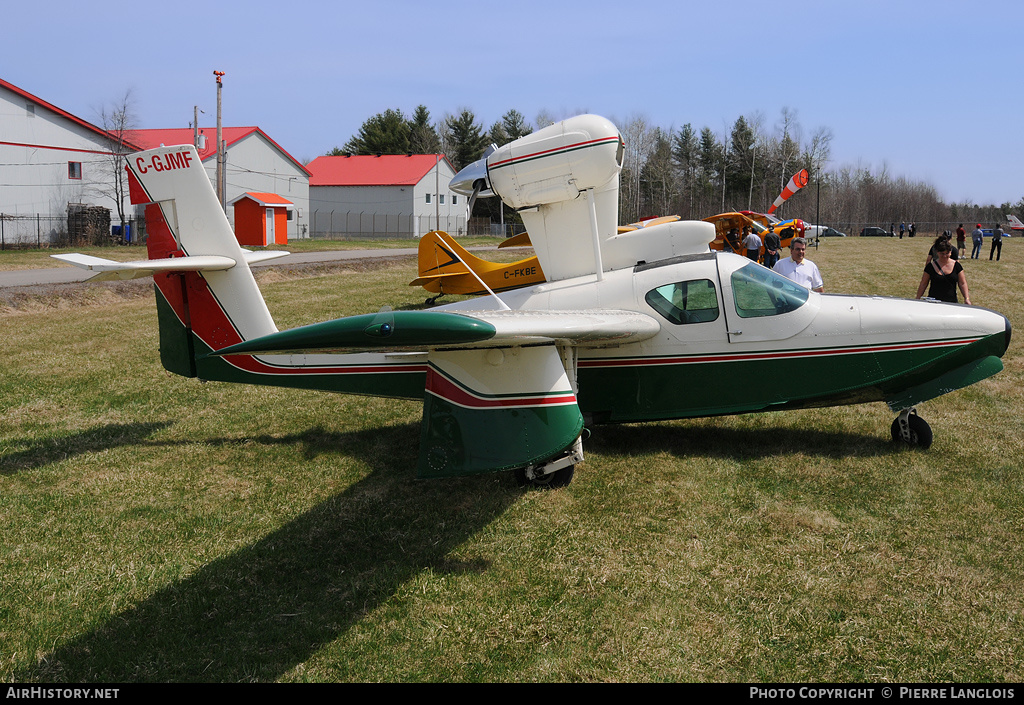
265	256
422	281
520	240
109	270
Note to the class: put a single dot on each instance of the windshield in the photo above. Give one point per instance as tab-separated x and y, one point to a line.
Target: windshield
761	292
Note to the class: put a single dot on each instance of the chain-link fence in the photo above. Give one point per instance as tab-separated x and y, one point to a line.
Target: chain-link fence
79	227
377	226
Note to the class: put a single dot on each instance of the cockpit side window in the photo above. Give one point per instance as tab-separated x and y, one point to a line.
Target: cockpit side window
761	292
685	302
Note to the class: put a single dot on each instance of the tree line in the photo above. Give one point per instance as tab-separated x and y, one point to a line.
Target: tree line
696	172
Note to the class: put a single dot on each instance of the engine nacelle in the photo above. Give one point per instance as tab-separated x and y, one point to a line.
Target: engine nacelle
551	165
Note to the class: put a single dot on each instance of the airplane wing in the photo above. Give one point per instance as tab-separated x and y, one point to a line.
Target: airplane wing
497	393
401	331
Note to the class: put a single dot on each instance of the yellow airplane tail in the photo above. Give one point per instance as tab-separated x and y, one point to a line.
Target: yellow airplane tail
445	267
439	258
439	253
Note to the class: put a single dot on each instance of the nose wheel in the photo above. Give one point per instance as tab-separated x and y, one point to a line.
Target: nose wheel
911	429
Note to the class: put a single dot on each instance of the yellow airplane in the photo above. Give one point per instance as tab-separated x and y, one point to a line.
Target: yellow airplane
523	239
445	267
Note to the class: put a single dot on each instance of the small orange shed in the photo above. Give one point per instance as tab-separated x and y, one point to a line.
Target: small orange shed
261	219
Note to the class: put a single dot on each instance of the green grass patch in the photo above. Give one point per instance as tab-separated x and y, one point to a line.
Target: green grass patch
160	529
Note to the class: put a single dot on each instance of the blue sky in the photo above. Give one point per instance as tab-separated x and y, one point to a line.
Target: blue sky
931	91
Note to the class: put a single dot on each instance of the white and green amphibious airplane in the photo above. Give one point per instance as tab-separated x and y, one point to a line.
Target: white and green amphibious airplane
640	326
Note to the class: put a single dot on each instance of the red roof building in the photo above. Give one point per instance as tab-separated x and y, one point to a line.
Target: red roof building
51	158
390	195
254	163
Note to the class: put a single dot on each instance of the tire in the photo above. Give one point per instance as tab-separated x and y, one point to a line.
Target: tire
551	481
920	432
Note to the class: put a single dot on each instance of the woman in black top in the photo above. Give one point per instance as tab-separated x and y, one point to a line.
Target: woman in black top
944	274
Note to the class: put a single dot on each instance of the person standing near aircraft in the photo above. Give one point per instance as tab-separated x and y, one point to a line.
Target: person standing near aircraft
912	230
752	243
977	237
997	243
772	245
961	239
943	275
933	253
798	268
902	228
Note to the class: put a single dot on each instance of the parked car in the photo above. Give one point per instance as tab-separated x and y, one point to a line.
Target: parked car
831	232
874	232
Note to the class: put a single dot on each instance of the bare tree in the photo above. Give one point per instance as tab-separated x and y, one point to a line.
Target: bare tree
118	120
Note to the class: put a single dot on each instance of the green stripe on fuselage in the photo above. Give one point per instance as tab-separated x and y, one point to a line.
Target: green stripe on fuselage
648	391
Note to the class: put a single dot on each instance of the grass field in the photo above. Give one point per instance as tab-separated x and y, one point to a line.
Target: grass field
160	529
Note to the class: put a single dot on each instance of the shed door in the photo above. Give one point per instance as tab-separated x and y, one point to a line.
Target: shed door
271	239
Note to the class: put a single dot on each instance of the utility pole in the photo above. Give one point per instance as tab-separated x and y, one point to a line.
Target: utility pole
220	144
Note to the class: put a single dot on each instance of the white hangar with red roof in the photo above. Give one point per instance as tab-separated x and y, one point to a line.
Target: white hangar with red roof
389	195
254	163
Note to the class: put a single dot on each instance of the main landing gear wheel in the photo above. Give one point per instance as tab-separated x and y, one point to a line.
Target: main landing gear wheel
553	480
553	473
911	429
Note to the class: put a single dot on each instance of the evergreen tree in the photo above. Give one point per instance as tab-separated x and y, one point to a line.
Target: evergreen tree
384	133
463	139
740	162
685	157
423	137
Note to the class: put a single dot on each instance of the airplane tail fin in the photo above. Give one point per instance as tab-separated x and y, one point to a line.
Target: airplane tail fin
440	256
1014	221
201	306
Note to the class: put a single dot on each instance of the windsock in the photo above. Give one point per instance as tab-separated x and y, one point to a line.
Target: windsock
798	181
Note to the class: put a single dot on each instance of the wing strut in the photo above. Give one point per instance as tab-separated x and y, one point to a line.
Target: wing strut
502	304
595	233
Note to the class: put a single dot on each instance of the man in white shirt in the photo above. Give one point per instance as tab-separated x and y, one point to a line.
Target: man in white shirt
800	269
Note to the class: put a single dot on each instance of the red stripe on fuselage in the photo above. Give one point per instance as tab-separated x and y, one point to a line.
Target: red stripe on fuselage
553	150
770	355
441	386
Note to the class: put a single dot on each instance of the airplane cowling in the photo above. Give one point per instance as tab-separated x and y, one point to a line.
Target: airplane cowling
557	162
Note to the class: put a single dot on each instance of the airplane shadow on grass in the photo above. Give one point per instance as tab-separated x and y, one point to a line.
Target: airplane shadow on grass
37	453
257	613
704	438
261	611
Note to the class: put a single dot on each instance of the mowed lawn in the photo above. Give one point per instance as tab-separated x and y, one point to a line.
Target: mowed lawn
159	529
